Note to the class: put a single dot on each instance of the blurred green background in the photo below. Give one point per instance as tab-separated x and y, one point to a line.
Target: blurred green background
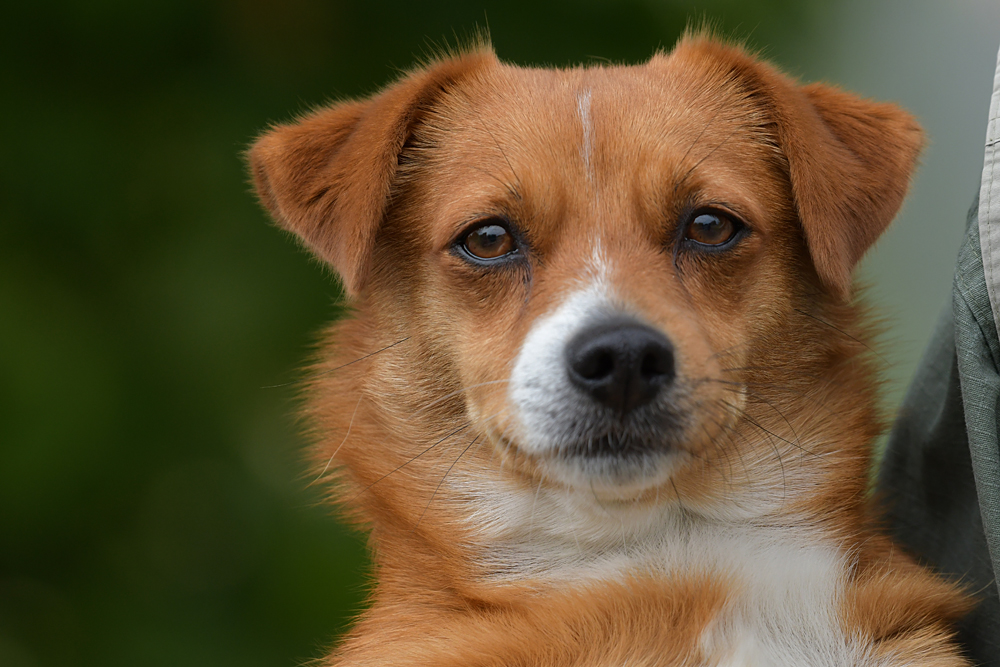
153	508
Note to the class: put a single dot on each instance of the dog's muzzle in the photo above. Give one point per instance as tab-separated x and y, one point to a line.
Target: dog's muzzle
598	390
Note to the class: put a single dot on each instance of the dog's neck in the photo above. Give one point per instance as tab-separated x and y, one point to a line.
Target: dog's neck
555	535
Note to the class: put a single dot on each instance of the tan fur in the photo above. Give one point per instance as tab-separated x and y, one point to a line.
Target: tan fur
409	402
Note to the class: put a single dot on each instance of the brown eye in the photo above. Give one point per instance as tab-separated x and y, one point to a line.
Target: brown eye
489	241
711	229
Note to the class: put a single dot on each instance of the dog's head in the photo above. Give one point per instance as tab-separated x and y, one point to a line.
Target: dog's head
596	271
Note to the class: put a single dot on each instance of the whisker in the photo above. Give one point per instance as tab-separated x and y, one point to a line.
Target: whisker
746	343
758	397
844	333
736	387
531	521
438	487
731	431
332	456
694	143
717	448
454	393
708	155
516	194
751	421
511	190
398	468
680	503
780	414
332	370
593	492
811	376
728	432
781	465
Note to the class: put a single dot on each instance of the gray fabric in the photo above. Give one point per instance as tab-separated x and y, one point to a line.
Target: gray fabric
939	475
978	349
980	389
989	200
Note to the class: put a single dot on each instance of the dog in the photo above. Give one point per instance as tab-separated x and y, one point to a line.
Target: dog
605	397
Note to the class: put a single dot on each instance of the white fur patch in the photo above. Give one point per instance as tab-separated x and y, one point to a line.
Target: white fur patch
787	580
539	385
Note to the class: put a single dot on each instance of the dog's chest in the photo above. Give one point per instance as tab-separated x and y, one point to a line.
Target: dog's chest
782	609
784	584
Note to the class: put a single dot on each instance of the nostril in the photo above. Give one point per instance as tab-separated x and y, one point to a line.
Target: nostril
595	364
657	363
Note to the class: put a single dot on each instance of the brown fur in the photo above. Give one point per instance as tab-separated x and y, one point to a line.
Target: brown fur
769	340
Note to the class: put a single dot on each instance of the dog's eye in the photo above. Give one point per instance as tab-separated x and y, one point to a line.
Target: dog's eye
711	228
489	241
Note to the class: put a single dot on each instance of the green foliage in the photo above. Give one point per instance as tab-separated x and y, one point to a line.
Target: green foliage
153	506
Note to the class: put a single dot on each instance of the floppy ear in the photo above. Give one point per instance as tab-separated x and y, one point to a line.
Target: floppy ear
327	177
849	159
850	162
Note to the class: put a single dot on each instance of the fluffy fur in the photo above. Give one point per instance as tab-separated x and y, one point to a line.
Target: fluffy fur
445	425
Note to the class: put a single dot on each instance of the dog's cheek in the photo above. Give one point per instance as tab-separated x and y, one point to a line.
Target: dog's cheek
398	270
485	368
723	291
480	313
739	304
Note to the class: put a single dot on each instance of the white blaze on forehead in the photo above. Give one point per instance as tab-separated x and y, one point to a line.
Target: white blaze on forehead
583	110
600	266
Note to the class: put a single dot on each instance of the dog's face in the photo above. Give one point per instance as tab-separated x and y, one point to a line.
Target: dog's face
595	270
595	251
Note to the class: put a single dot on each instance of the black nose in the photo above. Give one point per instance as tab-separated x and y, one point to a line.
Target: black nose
620	363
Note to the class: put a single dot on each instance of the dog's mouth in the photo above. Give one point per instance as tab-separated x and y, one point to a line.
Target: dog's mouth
622	447
615	456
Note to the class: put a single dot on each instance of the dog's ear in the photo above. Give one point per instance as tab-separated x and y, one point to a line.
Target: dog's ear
850	162
327	177
849	159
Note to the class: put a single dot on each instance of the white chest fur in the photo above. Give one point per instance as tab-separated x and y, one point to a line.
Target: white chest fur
788	579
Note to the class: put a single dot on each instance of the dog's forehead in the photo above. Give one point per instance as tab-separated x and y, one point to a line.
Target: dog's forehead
661	102
600	138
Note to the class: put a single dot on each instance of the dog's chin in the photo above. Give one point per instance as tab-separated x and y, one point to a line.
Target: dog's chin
614	477
611	467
